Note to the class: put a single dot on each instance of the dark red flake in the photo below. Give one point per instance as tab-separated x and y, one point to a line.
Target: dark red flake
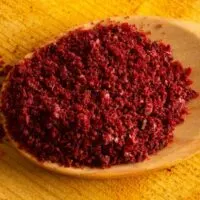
97	98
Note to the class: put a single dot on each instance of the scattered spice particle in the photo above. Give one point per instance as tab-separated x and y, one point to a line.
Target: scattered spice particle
170	169
142	26
148	32
158	26
15	49
97	97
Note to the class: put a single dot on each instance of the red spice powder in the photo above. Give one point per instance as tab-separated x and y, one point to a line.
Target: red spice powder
97	98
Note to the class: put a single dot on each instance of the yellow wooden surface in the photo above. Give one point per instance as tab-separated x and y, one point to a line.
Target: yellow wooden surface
26	24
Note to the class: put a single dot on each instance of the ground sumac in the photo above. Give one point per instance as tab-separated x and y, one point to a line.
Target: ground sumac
97	98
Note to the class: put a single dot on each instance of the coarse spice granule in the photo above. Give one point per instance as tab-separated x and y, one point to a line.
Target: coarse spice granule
97	97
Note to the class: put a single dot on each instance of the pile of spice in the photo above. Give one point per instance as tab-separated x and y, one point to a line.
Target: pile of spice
97	97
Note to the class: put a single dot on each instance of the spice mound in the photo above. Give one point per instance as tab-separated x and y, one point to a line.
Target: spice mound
98	97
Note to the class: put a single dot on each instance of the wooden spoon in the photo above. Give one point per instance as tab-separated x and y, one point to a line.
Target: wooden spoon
184	37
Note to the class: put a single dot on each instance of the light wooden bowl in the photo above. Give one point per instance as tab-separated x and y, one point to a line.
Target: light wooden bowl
184	38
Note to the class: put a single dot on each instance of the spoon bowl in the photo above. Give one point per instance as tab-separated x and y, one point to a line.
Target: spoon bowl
184	39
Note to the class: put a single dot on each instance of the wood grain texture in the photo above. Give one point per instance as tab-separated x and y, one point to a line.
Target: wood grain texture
28	24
